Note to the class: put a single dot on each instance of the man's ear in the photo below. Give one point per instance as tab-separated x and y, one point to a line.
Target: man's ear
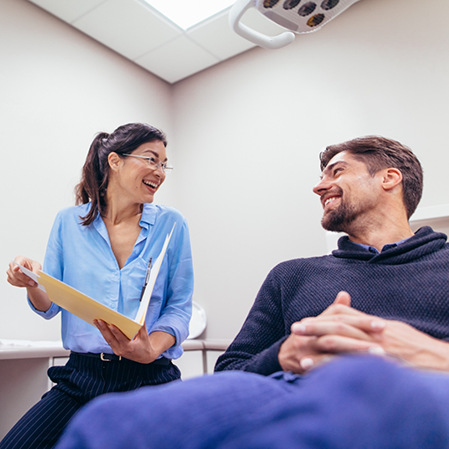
391	177
114	161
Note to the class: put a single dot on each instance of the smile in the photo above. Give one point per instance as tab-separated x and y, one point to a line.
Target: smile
332	198
153	185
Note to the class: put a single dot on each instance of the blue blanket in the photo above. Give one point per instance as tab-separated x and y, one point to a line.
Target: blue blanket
358	401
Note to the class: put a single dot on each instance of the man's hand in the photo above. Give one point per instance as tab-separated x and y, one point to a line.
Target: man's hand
315	339
399	339
341	328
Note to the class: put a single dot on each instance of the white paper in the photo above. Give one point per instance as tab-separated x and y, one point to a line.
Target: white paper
140	317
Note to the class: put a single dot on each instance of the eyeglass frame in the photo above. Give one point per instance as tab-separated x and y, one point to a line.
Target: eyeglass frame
158	165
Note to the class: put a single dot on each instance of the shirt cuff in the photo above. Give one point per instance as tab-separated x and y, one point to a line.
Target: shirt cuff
50	313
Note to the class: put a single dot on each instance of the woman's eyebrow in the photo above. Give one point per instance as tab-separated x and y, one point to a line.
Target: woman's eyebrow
154	153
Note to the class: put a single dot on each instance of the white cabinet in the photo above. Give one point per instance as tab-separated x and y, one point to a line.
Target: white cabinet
23	373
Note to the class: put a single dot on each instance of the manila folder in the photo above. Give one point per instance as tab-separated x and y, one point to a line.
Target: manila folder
89	309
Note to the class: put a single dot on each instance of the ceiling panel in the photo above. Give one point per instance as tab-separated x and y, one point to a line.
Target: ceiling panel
140	33
216	35
127	27
68	10
177	60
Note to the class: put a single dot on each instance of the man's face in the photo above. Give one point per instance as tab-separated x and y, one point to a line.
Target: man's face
348	193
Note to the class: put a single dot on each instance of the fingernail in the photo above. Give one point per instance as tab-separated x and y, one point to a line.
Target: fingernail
298	327
306	363
32	283
376	350
377	324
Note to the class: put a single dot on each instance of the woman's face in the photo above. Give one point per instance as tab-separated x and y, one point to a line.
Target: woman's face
136	178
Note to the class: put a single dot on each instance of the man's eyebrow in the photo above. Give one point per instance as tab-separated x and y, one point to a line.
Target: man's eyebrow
330	167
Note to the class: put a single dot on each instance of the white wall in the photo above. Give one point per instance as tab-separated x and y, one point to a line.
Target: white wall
245	136
58	88
249	131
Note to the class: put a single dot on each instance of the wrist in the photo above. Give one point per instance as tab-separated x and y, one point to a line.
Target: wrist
433	356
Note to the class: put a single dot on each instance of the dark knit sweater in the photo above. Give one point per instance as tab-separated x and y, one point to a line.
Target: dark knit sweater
409	282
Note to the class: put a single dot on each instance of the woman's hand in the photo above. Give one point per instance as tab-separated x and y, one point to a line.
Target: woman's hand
17	278
38	298
143	348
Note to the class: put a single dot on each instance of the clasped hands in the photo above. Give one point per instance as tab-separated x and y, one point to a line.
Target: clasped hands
342	329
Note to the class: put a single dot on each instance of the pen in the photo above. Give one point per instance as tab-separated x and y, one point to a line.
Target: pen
147	276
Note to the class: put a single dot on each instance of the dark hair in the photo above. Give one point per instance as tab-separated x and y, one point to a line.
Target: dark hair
95	176
377	153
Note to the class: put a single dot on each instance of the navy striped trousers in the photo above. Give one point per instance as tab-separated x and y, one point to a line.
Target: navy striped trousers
83	378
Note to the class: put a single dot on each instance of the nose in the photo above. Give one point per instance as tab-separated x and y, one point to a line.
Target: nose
322	187
161	175
159	172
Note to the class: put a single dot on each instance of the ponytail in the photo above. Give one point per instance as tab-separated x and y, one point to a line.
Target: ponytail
94	180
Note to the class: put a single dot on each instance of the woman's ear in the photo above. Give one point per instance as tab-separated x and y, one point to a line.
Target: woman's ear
114	161
391	178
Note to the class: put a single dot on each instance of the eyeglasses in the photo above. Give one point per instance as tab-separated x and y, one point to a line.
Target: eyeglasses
152	162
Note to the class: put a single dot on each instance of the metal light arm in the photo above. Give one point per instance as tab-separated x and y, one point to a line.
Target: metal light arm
238	9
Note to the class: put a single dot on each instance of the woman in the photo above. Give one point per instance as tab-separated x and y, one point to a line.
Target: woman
102	247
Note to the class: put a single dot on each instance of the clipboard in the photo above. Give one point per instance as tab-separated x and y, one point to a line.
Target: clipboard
89	309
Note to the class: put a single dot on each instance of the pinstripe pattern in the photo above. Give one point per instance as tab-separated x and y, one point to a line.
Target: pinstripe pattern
82	379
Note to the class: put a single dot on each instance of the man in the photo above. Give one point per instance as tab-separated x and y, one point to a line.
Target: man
384	291
369	188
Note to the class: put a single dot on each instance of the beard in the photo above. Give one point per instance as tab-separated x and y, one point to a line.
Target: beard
340	218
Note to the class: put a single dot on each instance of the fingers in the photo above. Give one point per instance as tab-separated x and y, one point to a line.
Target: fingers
336	344
343	298
314	360
362	327
114	337
142	334
292	350
28	263
324	348
106	331
17	278
342	303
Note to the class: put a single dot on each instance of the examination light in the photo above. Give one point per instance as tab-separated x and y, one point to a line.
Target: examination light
298	16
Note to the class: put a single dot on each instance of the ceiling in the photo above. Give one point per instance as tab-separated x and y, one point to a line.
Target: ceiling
141	34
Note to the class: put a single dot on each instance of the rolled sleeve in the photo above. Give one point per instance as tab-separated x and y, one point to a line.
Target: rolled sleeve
175	316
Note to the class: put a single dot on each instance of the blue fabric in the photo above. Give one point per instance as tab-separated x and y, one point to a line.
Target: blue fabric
81	256
388	246
351	402
409	283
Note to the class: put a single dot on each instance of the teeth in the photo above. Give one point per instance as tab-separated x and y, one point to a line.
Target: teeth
151	184
329	200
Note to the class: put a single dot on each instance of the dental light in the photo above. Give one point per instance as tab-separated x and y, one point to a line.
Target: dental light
299	16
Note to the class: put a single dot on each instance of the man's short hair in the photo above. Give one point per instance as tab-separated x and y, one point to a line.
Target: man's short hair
377	153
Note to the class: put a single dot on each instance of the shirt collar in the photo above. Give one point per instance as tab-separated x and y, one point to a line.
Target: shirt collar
147	219
148	215
387	246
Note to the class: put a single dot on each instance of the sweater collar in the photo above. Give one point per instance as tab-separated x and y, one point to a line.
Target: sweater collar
425	241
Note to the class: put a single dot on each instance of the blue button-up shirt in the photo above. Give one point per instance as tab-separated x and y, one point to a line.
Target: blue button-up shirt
82	257
387	246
